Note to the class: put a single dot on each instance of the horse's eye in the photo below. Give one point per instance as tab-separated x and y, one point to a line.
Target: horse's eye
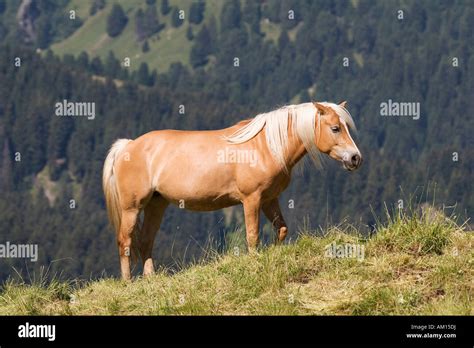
336	129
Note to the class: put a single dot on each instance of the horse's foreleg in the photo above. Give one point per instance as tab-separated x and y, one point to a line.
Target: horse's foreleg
272	211
252	216
153	215
124	239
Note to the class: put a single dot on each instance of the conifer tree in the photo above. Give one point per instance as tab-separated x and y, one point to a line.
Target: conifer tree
116	21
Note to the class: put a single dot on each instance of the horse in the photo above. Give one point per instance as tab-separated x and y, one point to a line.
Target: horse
249	163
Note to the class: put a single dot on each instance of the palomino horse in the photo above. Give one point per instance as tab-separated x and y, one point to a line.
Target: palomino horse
248	163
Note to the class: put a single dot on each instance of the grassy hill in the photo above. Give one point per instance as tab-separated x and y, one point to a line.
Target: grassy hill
168	46
415	264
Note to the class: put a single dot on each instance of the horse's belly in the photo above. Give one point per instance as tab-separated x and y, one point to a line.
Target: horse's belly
204	204
190	190
197	199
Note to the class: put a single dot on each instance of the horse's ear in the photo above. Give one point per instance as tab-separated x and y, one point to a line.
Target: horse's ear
343	104
321	108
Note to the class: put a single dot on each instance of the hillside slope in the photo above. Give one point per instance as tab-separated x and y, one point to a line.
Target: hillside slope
413	266
166	47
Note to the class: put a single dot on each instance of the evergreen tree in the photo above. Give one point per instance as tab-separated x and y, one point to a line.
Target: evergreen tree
153	77
3	32
152	24
146	23
96	66
212	28
82	61
43	32
112	65
3	6
140	29
116	21
145	47
97	5
165	7
176	21
143	75
252	15
196	12
283	40
6	173
189	33
230	15
286	6
201	48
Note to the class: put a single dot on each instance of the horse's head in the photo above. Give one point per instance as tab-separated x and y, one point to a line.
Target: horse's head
333	136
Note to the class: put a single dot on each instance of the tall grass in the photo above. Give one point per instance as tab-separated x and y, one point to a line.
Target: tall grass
420	231
418	262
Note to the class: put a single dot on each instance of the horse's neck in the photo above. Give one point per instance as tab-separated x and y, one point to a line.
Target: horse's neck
295	152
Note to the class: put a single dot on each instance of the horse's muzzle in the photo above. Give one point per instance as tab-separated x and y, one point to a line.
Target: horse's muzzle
353	163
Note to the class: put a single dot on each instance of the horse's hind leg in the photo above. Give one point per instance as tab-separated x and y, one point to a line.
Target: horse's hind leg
153	216
272	211
124	240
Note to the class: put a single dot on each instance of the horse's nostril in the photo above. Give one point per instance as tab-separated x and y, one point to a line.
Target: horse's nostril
355	160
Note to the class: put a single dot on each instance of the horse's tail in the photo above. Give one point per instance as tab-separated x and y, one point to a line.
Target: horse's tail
109	184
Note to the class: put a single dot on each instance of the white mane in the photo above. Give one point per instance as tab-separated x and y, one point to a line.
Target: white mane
303	123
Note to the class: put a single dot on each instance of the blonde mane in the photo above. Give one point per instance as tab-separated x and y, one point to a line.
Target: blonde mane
303	124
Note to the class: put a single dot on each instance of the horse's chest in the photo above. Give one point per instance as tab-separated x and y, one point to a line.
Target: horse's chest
275	186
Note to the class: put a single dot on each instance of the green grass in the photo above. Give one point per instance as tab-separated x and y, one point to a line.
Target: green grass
168	46
416	264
